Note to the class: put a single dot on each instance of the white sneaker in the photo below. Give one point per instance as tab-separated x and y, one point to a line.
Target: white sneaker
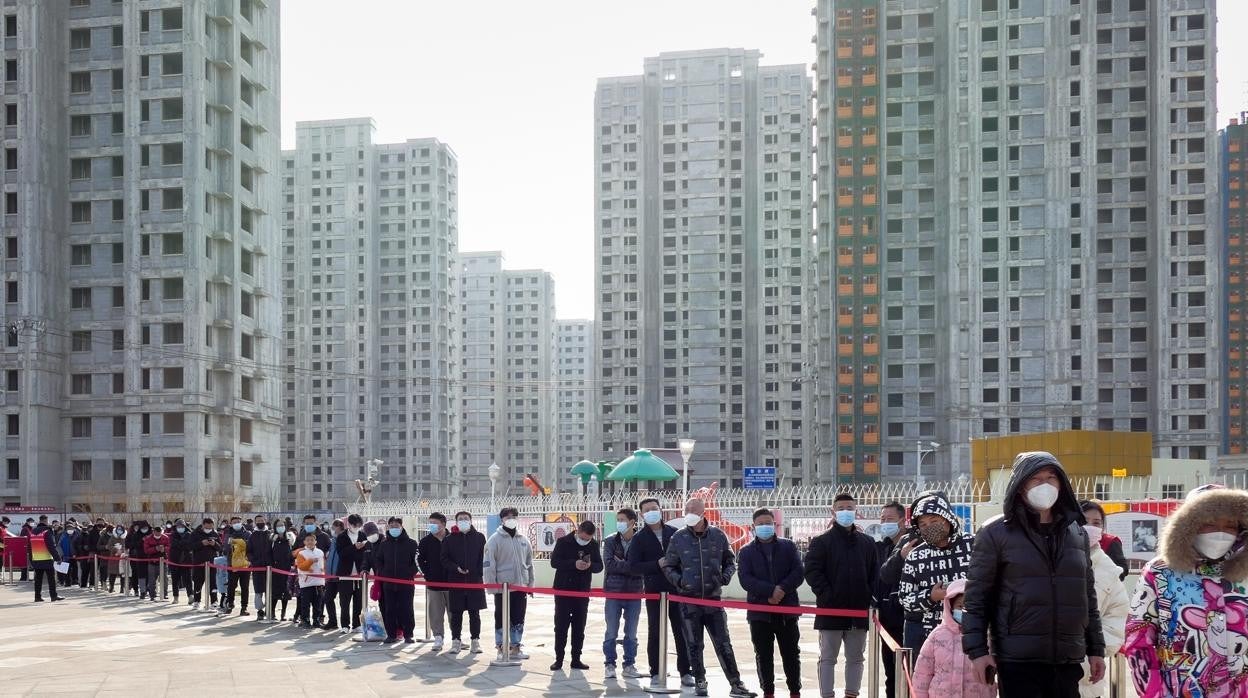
195	606
437	643
344	631
476	647
518	652
630	672
456	647
610	673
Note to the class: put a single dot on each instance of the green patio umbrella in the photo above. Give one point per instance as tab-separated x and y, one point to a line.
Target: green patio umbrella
604	469
643	465
584	469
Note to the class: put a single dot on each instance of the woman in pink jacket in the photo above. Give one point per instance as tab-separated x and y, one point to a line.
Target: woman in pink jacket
942	670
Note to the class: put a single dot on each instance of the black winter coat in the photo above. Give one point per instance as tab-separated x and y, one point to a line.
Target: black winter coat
892	615
260	549
761	567
350	558
1032	587
841	571
201	553
430	558
564	558
644	554
180	547
396	557
465	551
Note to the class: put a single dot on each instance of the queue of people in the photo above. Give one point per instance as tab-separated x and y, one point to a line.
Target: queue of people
1031	605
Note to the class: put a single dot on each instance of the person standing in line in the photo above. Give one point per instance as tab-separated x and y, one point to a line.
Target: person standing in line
1111	603
281	554
430	561
64	538
179	561
1031	609
575	559
462	558
134	550
770	570
155	548
890	613
943	556
111	545
646	557
28	528
350	546
1110	544
942	670
509	560
1187	627
620	579
86	546
395	557
841	570
236	538
205	545
699	563
332	563
310	561
43	558
260	554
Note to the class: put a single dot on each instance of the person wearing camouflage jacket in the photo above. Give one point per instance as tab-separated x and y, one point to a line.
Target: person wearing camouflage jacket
699	562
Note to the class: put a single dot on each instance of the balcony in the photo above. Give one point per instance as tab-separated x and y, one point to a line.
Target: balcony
871	348
871	319
871	407
844	319
844	141
845	230
871	378
870	289
870	258
845	439
845	260
845	379
845	409
844	289
871	438
844	349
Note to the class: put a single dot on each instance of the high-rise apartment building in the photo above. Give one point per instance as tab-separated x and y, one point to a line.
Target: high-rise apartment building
139	273
574	351
370	236
1017	208
703	223
1234	149
507	373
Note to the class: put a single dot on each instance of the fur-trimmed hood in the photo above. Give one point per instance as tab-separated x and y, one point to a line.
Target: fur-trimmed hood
1179	538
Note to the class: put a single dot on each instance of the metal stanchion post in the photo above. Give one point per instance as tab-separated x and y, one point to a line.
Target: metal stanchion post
268	595
659	684
207	591
164	579
95	572
125	574
873	654
900	659
428	630
505	659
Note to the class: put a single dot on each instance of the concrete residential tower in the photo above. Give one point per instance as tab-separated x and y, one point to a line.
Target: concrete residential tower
140	268
369	239
507	374
703	167
574	349
1234	148
1017	233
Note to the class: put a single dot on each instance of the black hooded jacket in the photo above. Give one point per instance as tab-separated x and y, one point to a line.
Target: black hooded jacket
396	557
1031	587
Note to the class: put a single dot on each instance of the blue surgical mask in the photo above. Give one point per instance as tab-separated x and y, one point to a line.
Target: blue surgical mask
395	531
236	526
433	527
623	526
181	529
845	518
280	529
581	541
889	529
765	531
310	528
652	517
957	616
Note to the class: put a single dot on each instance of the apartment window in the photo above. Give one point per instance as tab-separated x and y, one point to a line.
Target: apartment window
171	64
172	333
81	470
80	212
80	298
119	469
171	378
80	83
171	109
171	19
119	427
81	427
81	340
173	423
171	199
79	39
244	431
12	471
79	124
80	255
174	467
171	289
80	384
244	473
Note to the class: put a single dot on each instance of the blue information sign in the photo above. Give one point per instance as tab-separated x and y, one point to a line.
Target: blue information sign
760	478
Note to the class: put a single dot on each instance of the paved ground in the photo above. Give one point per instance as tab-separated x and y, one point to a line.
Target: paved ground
110	645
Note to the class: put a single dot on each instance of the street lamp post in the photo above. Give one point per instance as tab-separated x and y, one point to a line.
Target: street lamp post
494	470
920	452
686	452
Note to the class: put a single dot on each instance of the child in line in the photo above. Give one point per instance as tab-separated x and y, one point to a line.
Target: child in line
943	670
310	561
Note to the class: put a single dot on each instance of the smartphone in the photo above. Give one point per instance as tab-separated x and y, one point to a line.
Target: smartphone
990	674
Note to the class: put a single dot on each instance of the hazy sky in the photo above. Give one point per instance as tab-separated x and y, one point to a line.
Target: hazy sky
510	86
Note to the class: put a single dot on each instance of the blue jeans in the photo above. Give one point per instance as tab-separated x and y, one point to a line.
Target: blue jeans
631	610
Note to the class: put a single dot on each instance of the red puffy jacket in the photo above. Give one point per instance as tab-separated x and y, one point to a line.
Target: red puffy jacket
156	544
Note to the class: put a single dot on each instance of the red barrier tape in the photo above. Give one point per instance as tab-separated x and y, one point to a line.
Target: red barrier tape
886	638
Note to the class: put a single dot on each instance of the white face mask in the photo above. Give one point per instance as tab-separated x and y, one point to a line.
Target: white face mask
510	524
1094	535
1214	545
1042	497
374	538
692	520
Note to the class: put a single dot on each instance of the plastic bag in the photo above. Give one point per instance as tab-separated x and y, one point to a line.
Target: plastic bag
372	629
